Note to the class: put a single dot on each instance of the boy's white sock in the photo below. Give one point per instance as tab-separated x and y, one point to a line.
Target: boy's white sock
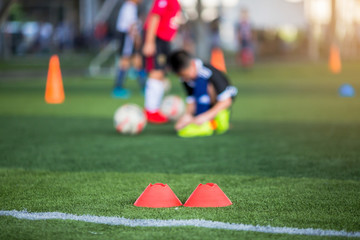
154	92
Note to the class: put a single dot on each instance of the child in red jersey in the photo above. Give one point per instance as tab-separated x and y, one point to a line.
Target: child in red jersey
160	28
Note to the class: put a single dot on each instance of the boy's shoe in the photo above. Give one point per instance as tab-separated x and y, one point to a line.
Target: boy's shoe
121	93
194	130
222	121
156	117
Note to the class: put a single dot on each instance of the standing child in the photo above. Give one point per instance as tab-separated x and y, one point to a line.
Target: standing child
246	55
209	96
128	35
160	28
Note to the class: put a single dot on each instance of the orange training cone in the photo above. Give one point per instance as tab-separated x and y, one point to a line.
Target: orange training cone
158	195
54	92
217	59
334	59
208	195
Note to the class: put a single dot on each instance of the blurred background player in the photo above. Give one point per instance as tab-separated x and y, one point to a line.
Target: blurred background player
160	28
209	96
244	34
129	41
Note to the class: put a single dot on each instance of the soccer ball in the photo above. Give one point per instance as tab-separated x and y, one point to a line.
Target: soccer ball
172	107
129	119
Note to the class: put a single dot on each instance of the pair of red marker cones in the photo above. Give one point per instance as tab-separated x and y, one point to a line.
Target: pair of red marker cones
161	196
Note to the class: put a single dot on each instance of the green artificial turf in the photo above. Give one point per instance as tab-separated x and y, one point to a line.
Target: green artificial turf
290	202
57	229
292	157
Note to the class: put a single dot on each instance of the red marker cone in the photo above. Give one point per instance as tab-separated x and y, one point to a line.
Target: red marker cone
158	195
208	195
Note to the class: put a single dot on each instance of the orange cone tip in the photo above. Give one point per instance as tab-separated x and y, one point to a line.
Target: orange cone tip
208	195
54	93
158	195
335	59
218	60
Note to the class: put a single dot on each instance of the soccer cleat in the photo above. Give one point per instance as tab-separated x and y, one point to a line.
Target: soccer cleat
222	121
194	130
156	117
120	93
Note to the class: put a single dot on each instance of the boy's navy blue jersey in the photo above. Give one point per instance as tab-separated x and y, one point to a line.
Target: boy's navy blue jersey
213	76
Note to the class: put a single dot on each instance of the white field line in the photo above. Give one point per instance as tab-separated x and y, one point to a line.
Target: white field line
120	221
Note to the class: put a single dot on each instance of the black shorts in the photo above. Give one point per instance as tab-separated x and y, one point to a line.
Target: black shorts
126	44
159	60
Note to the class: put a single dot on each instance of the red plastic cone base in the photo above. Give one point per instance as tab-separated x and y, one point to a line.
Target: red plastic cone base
208	195
158	195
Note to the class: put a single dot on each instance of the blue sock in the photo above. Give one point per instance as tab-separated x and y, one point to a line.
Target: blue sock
120	77
141	76
202	97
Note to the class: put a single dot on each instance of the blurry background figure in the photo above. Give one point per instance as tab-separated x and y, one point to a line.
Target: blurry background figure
128	34
290	29
45	37
64	36
101	32
13	36
30	32
215	41
244	36
185	39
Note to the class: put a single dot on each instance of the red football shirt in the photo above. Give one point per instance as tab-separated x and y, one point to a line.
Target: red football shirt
169	12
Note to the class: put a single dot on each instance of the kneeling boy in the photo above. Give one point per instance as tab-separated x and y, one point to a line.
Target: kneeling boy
209	96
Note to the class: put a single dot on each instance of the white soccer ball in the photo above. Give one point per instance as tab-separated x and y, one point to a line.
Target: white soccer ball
129	119
172	107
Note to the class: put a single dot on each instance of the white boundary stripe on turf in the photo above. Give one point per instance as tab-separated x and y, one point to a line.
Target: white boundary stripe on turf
175	223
